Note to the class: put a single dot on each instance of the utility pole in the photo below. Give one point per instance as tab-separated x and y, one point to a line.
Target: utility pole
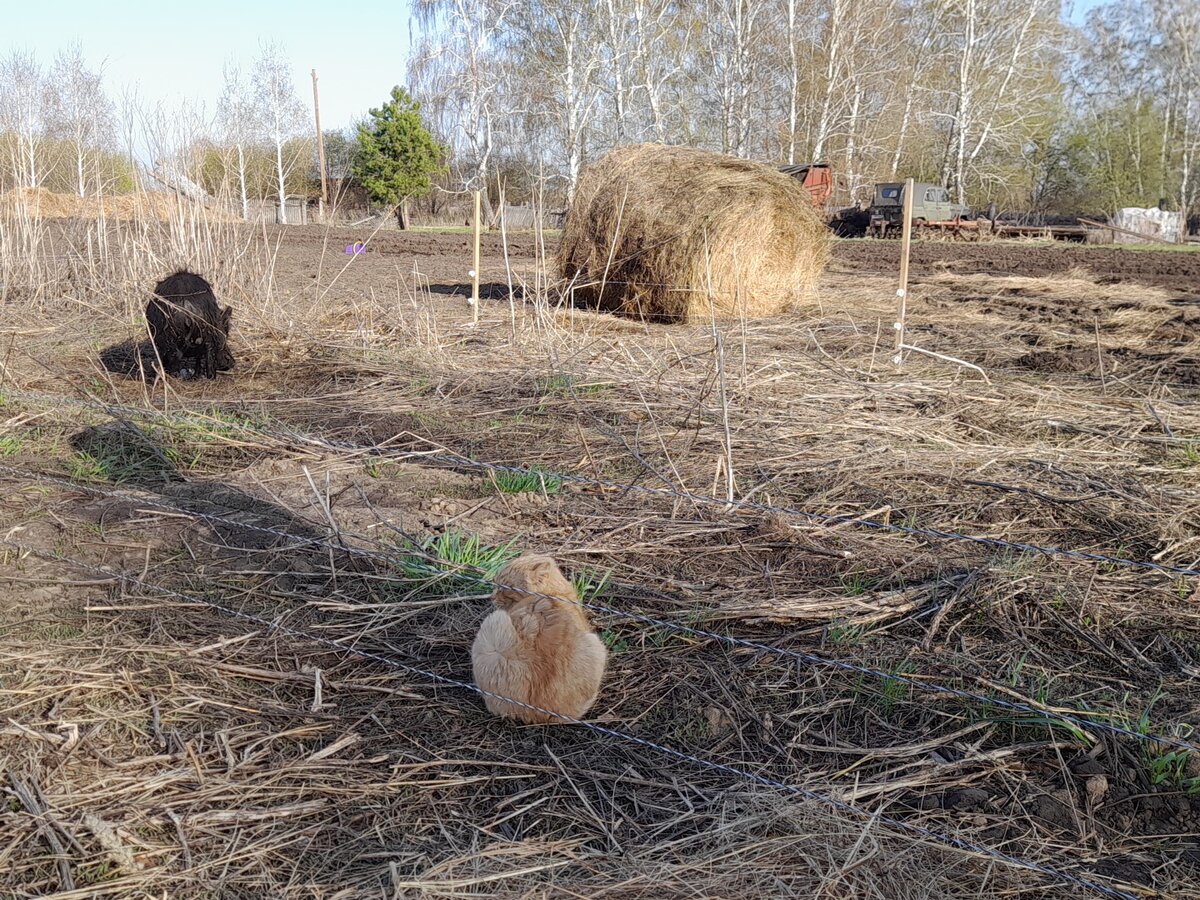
320	145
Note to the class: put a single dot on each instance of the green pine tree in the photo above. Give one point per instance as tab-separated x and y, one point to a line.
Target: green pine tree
397	156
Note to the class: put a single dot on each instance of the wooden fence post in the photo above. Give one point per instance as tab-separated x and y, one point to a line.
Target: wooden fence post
475	267
902	290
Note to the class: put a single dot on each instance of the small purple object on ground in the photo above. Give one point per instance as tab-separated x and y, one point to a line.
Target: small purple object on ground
356	248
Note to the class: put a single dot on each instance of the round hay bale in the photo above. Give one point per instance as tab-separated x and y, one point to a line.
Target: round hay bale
666	234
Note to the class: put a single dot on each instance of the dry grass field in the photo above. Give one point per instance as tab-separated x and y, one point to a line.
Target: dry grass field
233	611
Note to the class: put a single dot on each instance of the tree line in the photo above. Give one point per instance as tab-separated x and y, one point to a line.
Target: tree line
1002	101
60	131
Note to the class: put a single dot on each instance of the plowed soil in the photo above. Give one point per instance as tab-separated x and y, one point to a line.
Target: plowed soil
1178	270
1143	304
1171	269
445	257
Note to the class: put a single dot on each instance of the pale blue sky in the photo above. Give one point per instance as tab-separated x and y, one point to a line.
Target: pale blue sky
1080	8
171	50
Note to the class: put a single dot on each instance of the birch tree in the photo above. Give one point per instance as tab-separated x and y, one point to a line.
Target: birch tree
1119	87
835	40
282	115
457	63
128	124
731	37
171	133
81	115
657	24
793	38
618	51
1000	51
23	107
993	96
922	25
1179	26
853	85
236	113
558	45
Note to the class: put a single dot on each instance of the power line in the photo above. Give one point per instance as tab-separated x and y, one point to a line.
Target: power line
713	765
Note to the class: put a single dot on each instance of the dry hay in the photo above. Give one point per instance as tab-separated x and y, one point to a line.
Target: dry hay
44	204
668	233
326	773
1075	285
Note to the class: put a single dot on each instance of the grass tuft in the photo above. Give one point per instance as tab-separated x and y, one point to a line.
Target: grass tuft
461	564
533	480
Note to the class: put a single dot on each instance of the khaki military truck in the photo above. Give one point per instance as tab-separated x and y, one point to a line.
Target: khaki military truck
933	212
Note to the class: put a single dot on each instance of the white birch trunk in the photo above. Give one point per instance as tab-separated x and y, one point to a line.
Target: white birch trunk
794	86
241	154
280	176
831	73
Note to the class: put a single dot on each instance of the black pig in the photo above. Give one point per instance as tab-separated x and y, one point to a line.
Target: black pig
190	330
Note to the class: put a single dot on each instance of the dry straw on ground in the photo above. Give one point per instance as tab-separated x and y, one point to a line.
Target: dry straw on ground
41	203
167	748
669	233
